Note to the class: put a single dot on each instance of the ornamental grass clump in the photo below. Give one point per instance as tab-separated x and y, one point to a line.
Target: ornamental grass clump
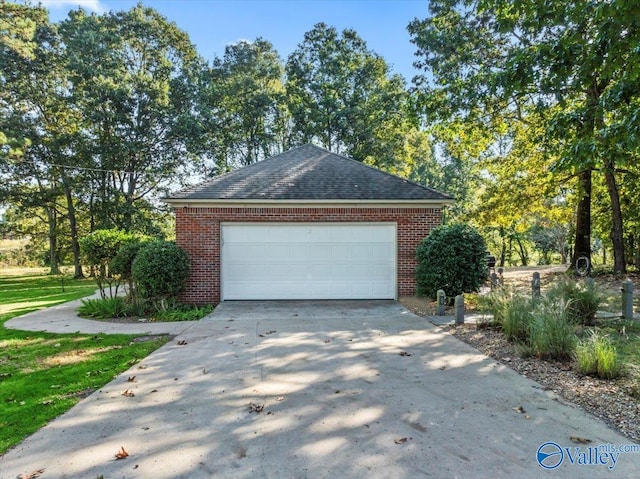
551	334
583	298
597	356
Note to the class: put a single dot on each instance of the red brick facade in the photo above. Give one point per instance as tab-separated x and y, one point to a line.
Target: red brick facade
198	233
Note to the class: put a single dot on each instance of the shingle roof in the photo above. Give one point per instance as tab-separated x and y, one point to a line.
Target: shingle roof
308	172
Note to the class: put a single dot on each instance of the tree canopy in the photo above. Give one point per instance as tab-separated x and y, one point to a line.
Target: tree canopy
526	112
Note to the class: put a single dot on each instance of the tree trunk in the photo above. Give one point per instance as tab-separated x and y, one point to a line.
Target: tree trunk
503	248
54	267
73	226
523	253
619	263
582	244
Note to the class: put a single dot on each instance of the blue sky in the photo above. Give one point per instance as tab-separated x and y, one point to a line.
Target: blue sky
212	24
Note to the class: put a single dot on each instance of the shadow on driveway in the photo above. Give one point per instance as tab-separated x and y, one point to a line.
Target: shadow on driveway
348	389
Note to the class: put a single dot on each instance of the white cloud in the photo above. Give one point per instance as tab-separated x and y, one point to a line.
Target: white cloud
91	5
240	40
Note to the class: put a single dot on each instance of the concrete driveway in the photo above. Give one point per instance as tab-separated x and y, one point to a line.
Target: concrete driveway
348	390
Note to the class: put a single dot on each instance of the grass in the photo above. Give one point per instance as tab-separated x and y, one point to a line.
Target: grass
597	356
551	333
42	375
121	307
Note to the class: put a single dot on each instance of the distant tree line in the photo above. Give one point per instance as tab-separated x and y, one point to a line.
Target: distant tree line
526	113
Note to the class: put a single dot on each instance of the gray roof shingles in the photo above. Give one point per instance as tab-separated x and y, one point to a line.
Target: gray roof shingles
309	172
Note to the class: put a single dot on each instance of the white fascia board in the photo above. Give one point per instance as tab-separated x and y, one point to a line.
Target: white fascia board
208	203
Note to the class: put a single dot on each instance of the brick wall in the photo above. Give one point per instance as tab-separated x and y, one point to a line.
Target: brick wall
198	233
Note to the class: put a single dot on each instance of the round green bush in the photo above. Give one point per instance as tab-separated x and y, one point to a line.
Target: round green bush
160	269
122	262
452	258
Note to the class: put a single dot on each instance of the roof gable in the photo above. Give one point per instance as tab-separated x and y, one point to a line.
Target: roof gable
309	173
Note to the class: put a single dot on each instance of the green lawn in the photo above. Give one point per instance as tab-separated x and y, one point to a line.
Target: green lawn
42	374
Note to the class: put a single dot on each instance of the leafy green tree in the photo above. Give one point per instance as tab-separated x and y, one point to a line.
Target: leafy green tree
34	106
132	77
343	96
574	63
244	98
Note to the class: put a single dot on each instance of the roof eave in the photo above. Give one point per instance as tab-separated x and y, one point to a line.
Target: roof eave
253	203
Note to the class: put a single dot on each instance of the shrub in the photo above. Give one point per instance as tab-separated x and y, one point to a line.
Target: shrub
101	246
452	258
582	296
597	356
122	262
160	270
104	308
98	249
551	335
183	313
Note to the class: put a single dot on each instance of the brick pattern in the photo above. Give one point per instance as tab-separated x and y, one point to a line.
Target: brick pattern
198	233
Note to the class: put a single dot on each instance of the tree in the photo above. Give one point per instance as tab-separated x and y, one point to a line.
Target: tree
342	96
246	93
34	107
132	75
574	62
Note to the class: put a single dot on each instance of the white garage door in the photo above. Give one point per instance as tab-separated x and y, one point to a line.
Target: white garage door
308	261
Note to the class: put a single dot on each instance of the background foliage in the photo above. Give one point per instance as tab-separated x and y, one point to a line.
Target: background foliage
526	112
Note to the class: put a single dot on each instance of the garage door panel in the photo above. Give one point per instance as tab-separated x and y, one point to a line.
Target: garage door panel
308	261
321	251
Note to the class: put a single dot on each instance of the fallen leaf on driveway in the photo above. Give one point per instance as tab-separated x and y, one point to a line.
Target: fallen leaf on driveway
128	394
131	379
280	398
121	454
255	407
519	409
404	353
204	371
442	368
182	342
402	440
327	340
270	332
580	440
142	366
31	475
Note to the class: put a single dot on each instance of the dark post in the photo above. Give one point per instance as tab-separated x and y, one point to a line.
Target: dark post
441	299
627	299
535	285
459	303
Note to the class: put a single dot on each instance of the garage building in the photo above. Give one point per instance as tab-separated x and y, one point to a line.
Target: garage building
304	224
